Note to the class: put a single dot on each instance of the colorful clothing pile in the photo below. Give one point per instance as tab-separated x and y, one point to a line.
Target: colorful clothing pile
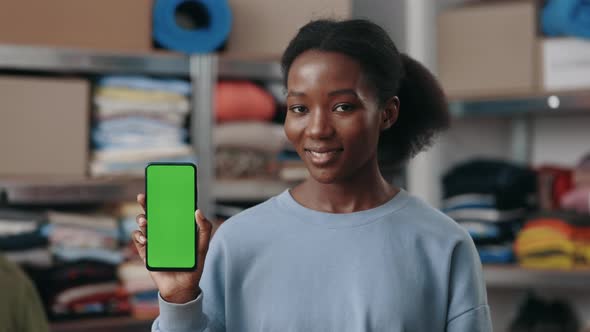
22	240
248	149
139	120
553	183
490	199
142	292
554	240
248	144
578	198
537	314
133	275
83	280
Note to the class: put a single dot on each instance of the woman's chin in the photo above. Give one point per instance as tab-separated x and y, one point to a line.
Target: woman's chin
324	176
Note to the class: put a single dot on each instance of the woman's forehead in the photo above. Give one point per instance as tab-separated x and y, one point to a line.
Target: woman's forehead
316	68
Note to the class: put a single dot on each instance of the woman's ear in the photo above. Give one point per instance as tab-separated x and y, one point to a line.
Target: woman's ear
390	113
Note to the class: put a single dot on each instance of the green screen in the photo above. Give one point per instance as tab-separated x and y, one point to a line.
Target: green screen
171	216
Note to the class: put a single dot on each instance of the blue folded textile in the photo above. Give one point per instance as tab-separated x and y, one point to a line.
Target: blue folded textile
496	254
566	17
146	83
135	132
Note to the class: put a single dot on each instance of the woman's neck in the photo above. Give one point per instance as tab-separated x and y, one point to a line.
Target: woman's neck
366	190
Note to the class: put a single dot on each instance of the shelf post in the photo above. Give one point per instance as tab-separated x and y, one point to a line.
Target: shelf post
520	145
203	73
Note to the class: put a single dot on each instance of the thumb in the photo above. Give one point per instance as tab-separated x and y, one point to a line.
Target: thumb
204	227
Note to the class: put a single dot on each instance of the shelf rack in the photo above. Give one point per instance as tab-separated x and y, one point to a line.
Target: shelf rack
111	324
515	277
520	109
542	104
203	70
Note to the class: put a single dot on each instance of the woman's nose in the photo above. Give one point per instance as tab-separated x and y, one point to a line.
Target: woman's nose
320	124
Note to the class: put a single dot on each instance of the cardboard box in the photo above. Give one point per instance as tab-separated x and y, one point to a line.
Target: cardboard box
488	49
264	28
115	25
43	126
565	64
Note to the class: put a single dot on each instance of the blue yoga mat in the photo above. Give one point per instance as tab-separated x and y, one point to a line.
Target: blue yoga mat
169	34
566	17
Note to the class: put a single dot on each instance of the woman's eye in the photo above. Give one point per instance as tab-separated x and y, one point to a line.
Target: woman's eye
343	108
297	109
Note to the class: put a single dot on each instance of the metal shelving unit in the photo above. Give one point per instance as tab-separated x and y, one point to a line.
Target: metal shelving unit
515	277
203	71
64	191
520	109
111	324
541	104
61	60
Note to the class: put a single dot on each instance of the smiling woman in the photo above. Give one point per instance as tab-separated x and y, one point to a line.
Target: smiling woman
344	250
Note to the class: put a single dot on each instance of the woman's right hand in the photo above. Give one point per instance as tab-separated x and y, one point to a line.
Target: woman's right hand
175	286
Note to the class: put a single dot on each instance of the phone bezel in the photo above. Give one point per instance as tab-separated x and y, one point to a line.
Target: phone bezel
154	268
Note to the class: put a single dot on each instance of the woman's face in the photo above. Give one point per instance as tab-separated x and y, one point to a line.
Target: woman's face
333	118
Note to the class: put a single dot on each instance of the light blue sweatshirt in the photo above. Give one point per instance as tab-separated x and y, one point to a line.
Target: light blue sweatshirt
402	266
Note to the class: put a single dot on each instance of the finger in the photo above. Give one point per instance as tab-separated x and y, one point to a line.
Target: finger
141	222
141	201
204	237
139	240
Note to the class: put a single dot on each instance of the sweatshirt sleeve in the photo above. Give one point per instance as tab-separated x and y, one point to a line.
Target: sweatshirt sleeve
207	312
31	316
468	309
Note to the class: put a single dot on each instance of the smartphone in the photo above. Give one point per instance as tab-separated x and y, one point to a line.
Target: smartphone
171	202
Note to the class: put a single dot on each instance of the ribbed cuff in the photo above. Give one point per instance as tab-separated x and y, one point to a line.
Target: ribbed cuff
182	317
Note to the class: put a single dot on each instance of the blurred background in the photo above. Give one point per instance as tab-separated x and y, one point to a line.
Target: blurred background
90	92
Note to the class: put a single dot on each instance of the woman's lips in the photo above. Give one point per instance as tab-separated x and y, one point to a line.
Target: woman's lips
320	157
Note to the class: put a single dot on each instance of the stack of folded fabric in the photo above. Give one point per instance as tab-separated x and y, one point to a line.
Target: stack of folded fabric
554	240
553	183
83	288
142	292
578	198
134	277
248	144
83	280
22	240
248	149
139	120
490	199
536	314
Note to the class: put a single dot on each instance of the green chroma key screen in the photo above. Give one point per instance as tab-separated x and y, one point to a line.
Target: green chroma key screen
171	229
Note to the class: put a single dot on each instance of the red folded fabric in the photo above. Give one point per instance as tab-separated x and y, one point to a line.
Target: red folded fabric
242	100
554	182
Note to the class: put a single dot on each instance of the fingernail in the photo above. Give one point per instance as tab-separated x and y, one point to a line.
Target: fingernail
142	239
142	221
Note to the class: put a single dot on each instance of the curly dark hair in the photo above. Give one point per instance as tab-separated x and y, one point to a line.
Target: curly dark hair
423	105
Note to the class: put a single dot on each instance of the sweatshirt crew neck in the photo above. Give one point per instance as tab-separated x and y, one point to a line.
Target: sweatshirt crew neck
341	220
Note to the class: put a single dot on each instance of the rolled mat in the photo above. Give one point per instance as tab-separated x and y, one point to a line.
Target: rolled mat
243	101
566	17
191	26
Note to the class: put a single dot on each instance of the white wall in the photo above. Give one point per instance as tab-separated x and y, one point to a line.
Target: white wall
560	140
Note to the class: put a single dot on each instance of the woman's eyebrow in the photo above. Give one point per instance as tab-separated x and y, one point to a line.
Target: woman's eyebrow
295	94
343	92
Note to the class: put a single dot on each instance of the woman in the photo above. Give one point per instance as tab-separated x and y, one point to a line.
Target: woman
344	250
